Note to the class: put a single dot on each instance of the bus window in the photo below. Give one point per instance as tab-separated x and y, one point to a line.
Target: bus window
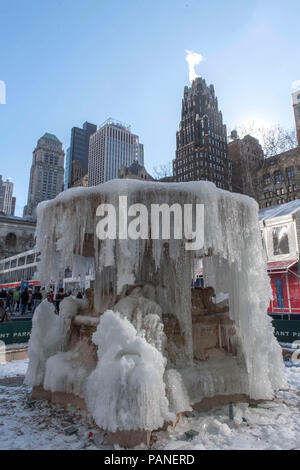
30	259
21	261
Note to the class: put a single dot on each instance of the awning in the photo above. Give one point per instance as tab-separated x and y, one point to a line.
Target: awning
281	266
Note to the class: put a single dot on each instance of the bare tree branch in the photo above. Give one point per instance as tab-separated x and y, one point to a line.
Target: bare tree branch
274	140
163	170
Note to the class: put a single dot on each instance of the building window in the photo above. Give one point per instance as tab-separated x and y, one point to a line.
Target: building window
11	240
280	241
290	172
277	177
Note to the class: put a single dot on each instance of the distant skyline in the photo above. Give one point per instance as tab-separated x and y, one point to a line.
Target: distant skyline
65	62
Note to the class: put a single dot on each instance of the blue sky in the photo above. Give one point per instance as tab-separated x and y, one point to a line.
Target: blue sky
68	61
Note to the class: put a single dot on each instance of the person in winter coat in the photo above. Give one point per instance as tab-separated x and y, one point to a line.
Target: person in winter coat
3	314
29	299
50	296
36	298
59	297
16	299
24	300
3	294
2	311
9	301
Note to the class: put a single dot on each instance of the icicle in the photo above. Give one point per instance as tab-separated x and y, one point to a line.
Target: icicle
220	335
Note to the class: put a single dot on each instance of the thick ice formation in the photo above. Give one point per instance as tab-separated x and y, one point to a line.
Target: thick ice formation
145	315
45	340
147	281
66	372
176	392
126	390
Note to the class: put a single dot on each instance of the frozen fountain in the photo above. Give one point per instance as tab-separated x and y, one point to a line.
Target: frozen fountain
143	347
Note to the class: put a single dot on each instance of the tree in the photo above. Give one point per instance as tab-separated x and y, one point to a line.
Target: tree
274	140
163	170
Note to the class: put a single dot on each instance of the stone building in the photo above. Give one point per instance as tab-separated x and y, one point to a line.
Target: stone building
247	157
271	181
279	178
278	181
296	106
47	172
201	141
135	171
16	235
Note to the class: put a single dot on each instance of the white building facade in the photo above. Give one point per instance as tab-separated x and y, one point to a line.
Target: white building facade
6	197
111	147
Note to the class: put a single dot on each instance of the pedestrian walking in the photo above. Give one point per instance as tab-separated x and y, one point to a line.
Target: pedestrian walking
3	294
59	297
24	300
4	316
36	298
9	299
50	296
16	299
29	299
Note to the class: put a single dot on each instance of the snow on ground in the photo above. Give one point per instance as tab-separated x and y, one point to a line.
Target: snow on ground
270	425
13	368
27	424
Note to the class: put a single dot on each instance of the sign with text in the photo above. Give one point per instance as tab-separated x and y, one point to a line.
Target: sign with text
15	331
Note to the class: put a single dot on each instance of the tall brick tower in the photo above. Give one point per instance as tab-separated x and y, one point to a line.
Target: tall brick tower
201	147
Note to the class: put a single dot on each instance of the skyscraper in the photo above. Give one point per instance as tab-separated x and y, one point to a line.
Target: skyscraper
77	155
201	143
247	157
13	206
112	147
296	106
7	202
47	172
141	155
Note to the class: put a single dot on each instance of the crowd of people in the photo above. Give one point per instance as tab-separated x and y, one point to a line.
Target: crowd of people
25	301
